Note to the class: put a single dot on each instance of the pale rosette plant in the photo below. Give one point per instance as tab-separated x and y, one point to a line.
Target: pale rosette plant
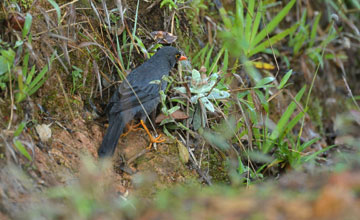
202	88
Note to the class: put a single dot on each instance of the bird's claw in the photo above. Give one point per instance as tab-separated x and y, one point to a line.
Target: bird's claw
130	129
155	140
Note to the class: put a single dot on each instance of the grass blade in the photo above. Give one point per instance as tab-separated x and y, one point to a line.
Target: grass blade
272	40
249	19
57	9
285	79
274	22
27	25
280	127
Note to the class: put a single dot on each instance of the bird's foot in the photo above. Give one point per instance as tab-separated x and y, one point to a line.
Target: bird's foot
152	139
131	128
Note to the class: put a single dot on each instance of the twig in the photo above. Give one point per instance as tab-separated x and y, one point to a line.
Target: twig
63	6
12	101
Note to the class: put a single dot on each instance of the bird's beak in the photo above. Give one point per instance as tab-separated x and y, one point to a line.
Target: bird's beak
183	58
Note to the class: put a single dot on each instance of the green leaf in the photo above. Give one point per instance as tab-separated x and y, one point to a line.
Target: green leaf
218	94
166	121
18	43
208	105
27	25
274	22
256	22
170	4
32	90
200	56
180	90
239	17
19	129
281	125
249	19
307	144
314	155
225	18
142	46
225	61
57	9
208	57
196	76
272	40
22	149
314	29
216	60
285	79
173	109
6	60
30	75
292	124
265	81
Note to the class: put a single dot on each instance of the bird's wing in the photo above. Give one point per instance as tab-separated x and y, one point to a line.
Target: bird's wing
126	98
140	80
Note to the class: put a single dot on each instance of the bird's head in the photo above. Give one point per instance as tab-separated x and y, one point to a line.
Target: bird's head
172	54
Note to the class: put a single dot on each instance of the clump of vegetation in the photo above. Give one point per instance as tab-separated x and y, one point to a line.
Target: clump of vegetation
260	97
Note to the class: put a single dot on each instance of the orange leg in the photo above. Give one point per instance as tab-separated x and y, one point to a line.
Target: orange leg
131	128
152	139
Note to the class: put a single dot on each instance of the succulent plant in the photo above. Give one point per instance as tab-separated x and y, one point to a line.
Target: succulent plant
202	88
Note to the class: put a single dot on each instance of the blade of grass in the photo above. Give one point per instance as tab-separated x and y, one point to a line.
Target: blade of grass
256	22
313	156
27	25
249	19
283	120
208	57
284	79
274	22
314	29
272	40
57	9
22	149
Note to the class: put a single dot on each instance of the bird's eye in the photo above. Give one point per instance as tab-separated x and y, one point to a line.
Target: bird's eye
177	56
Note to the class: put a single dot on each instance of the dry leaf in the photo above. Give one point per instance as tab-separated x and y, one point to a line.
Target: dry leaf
177	115
164	37
183	152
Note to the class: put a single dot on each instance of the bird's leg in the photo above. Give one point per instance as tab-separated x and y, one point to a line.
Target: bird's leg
152	139
131	128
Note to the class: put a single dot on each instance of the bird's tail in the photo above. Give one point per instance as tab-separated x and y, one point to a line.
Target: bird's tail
111	137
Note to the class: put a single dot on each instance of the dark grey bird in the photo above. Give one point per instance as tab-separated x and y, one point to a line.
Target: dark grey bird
125	106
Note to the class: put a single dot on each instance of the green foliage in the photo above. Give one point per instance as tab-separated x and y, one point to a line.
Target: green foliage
304	39
57	9
91	195
76	76
243	37
18	144
6	63
29	82
169	3
204	89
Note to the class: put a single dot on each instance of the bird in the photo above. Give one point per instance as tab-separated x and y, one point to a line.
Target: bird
136	93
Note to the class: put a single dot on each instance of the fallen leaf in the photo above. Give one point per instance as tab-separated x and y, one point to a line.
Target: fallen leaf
262	65
177	115
183	152
164	37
